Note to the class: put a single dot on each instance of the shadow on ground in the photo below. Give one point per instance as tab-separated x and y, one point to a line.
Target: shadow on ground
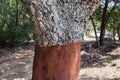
94	56
5	51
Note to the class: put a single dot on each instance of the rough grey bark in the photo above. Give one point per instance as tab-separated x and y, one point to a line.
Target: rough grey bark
58	22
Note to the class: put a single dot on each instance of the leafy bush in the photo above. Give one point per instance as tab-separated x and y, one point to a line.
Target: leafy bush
15	24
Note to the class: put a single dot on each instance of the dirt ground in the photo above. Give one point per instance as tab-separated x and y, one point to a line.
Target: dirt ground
96	63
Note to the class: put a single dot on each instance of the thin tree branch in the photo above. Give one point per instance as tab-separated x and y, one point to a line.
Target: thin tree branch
95	31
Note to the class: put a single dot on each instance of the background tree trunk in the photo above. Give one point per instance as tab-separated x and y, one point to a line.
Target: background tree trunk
58	29
103	23
118	32
105	18
95	31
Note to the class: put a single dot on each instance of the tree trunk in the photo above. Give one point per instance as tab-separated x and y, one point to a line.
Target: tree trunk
103	23
118	32
58	29
57	62
17	13
114	32
105	19
95	31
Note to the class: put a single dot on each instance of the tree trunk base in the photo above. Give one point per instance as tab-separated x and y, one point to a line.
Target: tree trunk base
57	62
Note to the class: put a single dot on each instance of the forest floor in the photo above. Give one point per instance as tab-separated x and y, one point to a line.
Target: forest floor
101	63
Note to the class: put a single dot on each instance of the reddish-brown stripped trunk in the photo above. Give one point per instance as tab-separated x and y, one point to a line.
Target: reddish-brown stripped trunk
57	62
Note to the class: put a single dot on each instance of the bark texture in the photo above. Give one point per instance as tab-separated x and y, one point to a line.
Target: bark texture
58	22
57	62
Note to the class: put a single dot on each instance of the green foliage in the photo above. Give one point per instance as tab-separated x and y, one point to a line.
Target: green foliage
113	24
15	24
97	17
